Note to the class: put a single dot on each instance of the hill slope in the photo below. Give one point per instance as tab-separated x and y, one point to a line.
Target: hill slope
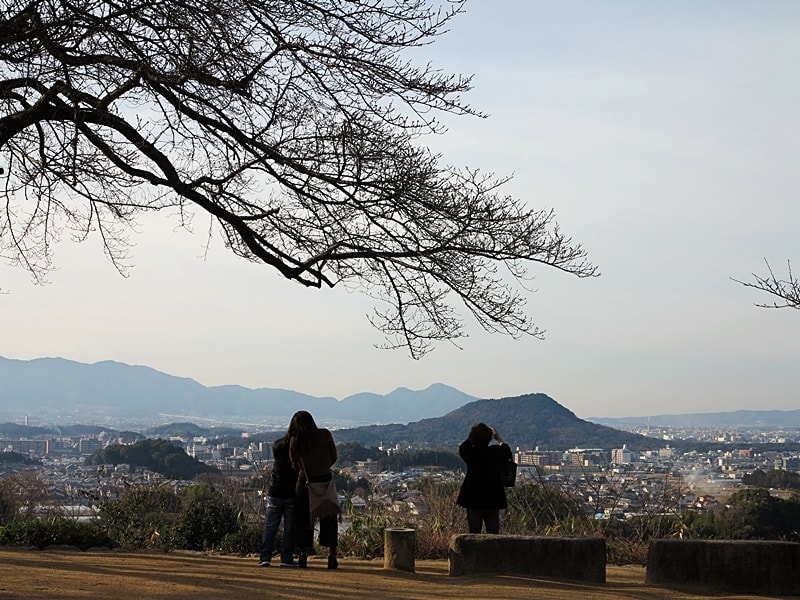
529	421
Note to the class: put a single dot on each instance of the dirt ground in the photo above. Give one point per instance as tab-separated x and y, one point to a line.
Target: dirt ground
71	574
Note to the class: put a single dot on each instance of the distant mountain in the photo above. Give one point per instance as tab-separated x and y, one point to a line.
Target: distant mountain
529	421
56	390
17	431
760	419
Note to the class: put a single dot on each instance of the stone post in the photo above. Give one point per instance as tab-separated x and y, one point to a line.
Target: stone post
398	549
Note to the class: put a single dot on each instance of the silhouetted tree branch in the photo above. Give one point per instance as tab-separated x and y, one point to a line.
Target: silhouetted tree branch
787	290
294	125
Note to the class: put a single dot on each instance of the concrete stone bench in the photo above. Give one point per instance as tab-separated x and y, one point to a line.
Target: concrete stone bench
742	566
572	558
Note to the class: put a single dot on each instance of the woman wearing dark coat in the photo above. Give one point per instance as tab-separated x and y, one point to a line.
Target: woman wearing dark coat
482	492
312	452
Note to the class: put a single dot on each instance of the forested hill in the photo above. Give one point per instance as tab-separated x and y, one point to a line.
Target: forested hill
529	421
158	455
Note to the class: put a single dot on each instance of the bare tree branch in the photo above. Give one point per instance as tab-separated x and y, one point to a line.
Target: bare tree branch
293	124
786	290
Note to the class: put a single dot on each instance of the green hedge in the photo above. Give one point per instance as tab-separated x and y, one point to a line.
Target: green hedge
57	531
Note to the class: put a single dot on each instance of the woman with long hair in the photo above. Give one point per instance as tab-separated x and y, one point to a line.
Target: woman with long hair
313	453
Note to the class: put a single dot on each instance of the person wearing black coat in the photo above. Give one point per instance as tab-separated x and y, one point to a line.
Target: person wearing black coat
280	505
482	492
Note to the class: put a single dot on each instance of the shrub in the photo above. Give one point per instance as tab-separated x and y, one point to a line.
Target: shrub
438	519
141	516
56	531
246	540
9	507
534	509
207	517
21	495
623	551
364	537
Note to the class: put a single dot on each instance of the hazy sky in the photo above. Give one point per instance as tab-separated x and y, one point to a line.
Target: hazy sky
665	135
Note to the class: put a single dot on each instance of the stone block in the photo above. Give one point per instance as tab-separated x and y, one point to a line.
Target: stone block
744	566
569	558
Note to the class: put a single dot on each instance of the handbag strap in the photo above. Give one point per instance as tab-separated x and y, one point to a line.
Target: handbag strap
303	464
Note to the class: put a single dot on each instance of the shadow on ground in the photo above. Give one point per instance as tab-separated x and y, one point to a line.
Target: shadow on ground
33	574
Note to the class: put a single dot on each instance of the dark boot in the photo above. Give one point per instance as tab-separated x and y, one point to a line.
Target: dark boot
302	560
333	563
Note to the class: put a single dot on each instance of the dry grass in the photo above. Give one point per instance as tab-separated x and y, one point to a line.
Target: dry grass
64	574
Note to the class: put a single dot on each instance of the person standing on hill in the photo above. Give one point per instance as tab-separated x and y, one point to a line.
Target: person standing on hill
482	492
280	505
313	453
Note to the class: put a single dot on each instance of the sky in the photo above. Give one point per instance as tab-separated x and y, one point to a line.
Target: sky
664	135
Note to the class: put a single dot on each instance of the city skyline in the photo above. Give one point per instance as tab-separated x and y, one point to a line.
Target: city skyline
661	135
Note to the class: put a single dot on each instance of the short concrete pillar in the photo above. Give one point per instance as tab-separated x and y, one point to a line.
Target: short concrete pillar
398	549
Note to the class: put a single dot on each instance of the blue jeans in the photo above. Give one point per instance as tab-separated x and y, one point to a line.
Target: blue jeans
276	509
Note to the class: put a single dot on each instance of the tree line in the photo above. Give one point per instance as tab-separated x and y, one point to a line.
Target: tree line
774	478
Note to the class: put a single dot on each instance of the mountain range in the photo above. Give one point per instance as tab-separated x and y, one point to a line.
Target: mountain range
65	392
57	390
528	422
